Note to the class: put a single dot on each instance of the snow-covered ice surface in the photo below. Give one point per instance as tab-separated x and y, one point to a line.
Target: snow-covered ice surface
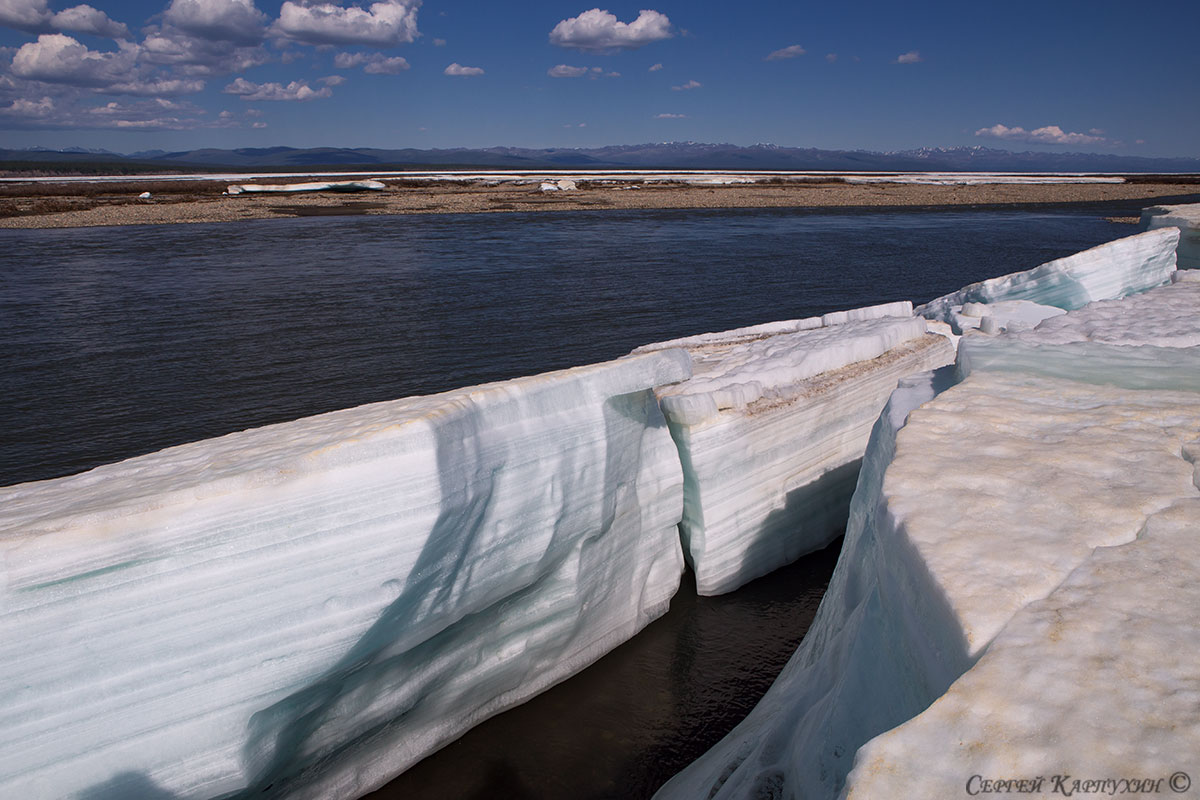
1162	317
308	608
1109	271
1065	546
771	429
1184	217
337	186
1005	314
1020	507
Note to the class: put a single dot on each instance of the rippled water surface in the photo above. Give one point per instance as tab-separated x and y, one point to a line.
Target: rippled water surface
120	341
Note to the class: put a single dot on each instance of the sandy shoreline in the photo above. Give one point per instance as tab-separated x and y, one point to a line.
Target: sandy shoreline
87	204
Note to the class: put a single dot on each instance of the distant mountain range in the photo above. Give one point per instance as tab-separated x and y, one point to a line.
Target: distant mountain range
666	155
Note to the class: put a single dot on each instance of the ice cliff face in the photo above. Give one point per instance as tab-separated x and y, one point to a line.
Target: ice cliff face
771	429
997	597
309	621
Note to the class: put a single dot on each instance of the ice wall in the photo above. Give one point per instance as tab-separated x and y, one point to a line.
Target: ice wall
771	429
1113	270
308	608
1009	520
1187	219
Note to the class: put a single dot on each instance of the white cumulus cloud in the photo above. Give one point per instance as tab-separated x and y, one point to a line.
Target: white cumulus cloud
386	66
461	71
598	31
784	53
144	114
383	24
1050	134
295	91
23	107
373	64
687	86
191	55
35	16
157	87
236	21
670	116
57	58
85	19
565	71
655	67
25	15
911	57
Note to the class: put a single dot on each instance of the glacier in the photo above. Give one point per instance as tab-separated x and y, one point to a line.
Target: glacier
1184	217
411	567
1002	606
771	429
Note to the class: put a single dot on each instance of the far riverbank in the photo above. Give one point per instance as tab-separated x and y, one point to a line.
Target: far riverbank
77	204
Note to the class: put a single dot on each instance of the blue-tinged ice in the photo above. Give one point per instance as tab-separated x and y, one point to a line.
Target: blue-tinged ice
306	609
1113	270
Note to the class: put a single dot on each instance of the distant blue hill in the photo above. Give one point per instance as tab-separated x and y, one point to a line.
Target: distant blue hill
666	155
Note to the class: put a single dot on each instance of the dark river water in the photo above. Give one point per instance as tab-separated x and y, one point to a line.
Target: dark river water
121	341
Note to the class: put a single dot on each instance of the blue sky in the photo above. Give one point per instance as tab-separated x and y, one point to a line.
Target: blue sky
130	75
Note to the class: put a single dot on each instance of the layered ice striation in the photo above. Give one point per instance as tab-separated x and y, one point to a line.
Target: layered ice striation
771	429
1184	217
306	609
1007	553
1109	271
